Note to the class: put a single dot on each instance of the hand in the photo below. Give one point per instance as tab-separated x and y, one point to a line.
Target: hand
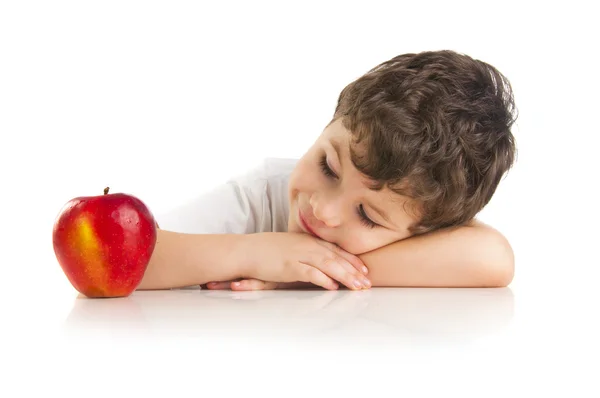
277	257
255	284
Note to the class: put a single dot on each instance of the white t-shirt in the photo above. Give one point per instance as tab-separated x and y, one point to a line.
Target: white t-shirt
256	201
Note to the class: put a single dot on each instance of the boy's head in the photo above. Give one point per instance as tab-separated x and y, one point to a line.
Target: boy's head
425	138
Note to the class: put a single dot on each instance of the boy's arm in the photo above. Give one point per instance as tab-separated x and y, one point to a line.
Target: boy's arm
181	259
475	255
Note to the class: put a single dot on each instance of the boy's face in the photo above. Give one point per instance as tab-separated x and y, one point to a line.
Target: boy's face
330	198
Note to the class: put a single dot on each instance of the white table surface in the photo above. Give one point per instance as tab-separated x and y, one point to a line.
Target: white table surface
423	341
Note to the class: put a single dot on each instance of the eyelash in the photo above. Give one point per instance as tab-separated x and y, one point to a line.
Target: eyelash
366	221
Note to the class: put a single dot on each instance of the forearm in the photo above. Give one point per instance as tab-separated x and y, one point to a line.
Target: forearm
470	256
182	260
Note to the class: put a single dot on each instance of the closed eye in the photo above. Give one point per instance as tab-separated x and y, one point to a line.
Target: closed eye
364	219
326	169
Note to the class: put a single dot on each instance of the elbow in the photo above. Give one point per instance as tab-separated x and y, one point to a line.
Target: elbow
502	275
500	261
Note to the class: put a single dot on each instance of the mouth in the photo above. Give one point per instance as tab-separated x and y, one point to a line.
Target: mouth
305	225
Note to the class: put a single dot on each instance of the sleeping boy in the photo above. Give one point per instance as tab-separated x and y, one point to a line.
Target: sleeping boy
386	196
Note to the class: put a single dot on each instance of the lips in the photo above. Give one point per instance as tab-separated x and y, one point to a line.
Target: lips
306	226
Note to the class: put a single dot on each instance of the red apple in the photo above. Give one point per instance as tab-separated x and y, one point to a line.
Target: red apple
104	243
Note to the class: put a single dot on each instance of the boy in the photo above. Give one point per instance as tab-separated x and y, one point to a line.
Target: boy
386	196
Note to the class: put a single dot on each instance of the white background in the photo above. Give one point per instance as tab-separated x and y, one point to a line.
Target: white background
166	99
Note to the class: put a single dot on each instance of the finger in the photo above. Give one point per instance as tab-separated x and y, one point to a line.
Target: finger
252	284
339	269
218	285
313	275
354	261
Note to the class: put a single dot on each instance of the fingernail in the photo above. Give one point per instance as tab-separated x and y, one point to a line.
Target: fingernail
365	270
367	282
237	284
357	283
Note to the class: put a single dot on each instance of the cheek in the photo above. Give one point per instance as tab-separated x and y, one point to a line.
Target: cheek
294	184
358	242
303	180
362	240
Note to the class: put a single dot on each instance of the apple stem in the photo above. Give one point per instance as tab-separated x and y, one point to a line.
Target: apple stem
106	190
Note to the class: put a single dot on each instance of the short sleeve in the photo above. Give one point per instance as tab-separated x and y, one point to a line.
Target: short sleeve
239	206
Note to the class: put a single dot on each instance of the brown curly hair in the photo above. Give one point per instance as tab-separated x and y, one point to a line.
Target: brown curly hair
434	126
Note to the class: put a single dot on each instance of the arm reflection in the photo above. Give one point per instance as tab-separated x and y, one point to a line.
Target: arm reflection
376	316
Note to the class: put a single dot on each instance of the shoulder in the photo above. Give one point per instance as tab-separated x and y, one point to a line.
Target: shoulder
265	188
266	178
252	201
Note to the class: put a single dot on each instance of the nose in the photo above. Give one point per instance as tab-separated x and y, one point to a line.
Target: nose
326	209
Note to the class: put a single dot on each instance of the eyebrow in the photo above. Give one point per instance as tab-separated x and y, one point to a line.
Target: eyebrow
337	147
